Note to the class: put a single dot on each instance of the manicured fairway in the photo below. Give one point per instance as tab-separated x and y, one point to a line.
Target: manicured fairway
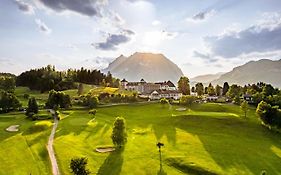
207	139
23	152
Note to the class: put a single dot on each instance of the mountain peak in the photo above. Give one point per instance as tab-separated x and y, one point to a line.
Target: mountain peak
149	66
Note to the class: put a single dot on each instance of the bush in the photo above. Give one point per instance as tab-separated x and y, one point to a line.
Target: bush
187	100
164	101
93	111
270	116
78	166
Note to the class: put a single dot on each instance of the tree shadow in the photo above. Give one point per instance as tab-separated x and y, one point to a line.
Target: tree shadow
113	163
228	135
161	172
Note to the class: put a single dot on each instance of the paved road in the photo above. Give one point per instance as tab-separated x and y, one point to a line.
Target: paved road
55	168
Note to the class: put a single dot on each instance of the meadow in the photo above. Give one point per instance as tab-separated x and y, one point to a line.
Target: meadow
24	152
206	139
210	138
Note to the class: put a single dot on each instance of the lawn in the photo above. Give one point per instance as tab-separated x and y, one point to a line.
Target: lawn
24	152
205	139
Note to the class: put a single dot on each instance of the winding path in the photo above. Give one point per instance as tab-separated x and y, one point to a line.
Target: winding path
55	168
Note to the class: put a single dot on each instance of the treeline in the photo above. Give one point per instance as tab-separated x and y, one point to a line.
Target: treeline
257	92
47	78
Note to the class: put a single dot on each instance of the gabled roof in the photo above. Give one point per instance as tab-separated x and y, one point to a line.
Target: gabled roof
124	80
168	83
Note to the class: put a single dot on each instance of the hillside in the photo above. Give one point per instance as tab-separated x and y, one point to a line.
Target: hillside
206	78
264	70
149	66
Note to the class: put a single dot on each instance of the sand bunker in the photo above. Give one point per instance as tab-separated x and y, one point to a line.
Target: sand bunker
13	128
181	109
105	150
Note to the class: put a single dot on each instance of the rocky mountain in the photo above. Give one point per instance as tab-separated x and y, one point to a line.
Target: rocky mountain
264	70
151	67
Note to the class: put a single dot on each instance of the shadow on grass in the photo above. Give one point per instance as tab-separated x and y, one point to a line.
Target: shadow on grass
161	172
233	143
113	163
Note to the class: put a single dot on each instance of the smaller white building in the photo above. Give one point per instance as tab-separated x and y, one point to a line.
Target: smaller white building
168	94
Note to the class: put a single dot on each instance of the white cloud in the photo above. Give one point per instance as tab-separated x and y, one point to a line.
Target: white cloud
154	38
156	23
25	7
43	27
201	16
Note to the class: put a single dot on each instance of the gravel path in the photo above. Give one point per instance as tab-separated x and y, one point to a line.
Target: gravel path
55	168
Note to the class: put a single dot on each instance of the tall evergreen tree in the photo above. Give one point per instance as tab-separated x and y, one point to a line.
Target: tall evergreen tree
119	134
225	88
32	106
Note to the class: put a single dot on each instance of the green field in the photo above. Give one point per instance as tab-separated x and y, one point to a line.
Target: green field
24	152
208	138
205	139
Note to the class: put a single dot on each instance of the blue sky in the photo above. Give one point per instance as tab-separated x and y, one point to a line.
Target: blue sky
201	37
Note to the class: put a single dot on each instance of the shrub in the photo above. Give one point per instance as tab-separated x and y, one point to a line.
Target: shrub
93	111
187	100
78	166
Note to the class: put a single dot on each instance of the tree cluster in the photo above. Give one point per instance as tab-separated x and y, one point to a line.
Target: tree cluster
47	78
89	100
7	83
117	98
269	115
8	101
58	100
187	100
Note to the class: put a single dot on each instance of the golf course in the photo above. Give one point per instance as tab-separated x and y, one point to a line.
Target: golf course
208	138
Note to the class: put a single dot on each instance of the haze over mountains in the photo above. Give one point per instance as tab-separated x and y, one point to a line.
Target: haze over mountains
151	67
156	67
267	71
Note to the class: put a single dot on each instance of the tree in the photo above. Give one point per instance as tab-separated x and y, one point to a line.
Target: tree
199	88
218	90
265	112
187	100
92	101
58	99
211	90
183	86
78	166
193	89
237	100
7	83
80	89
225	88
244	107
119	134
233	91
8	101
32	106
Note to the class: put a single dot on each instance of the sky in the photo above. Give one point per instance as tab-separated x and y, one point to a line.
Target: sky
201	37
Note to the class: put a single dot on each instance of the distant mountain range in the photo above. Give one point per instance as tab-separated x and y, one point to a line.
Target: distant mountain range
264	70
151	67
206	78
156	67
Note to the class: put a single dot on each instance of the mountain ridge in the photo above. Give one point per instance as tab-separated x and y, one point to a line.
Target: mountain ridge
150	66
